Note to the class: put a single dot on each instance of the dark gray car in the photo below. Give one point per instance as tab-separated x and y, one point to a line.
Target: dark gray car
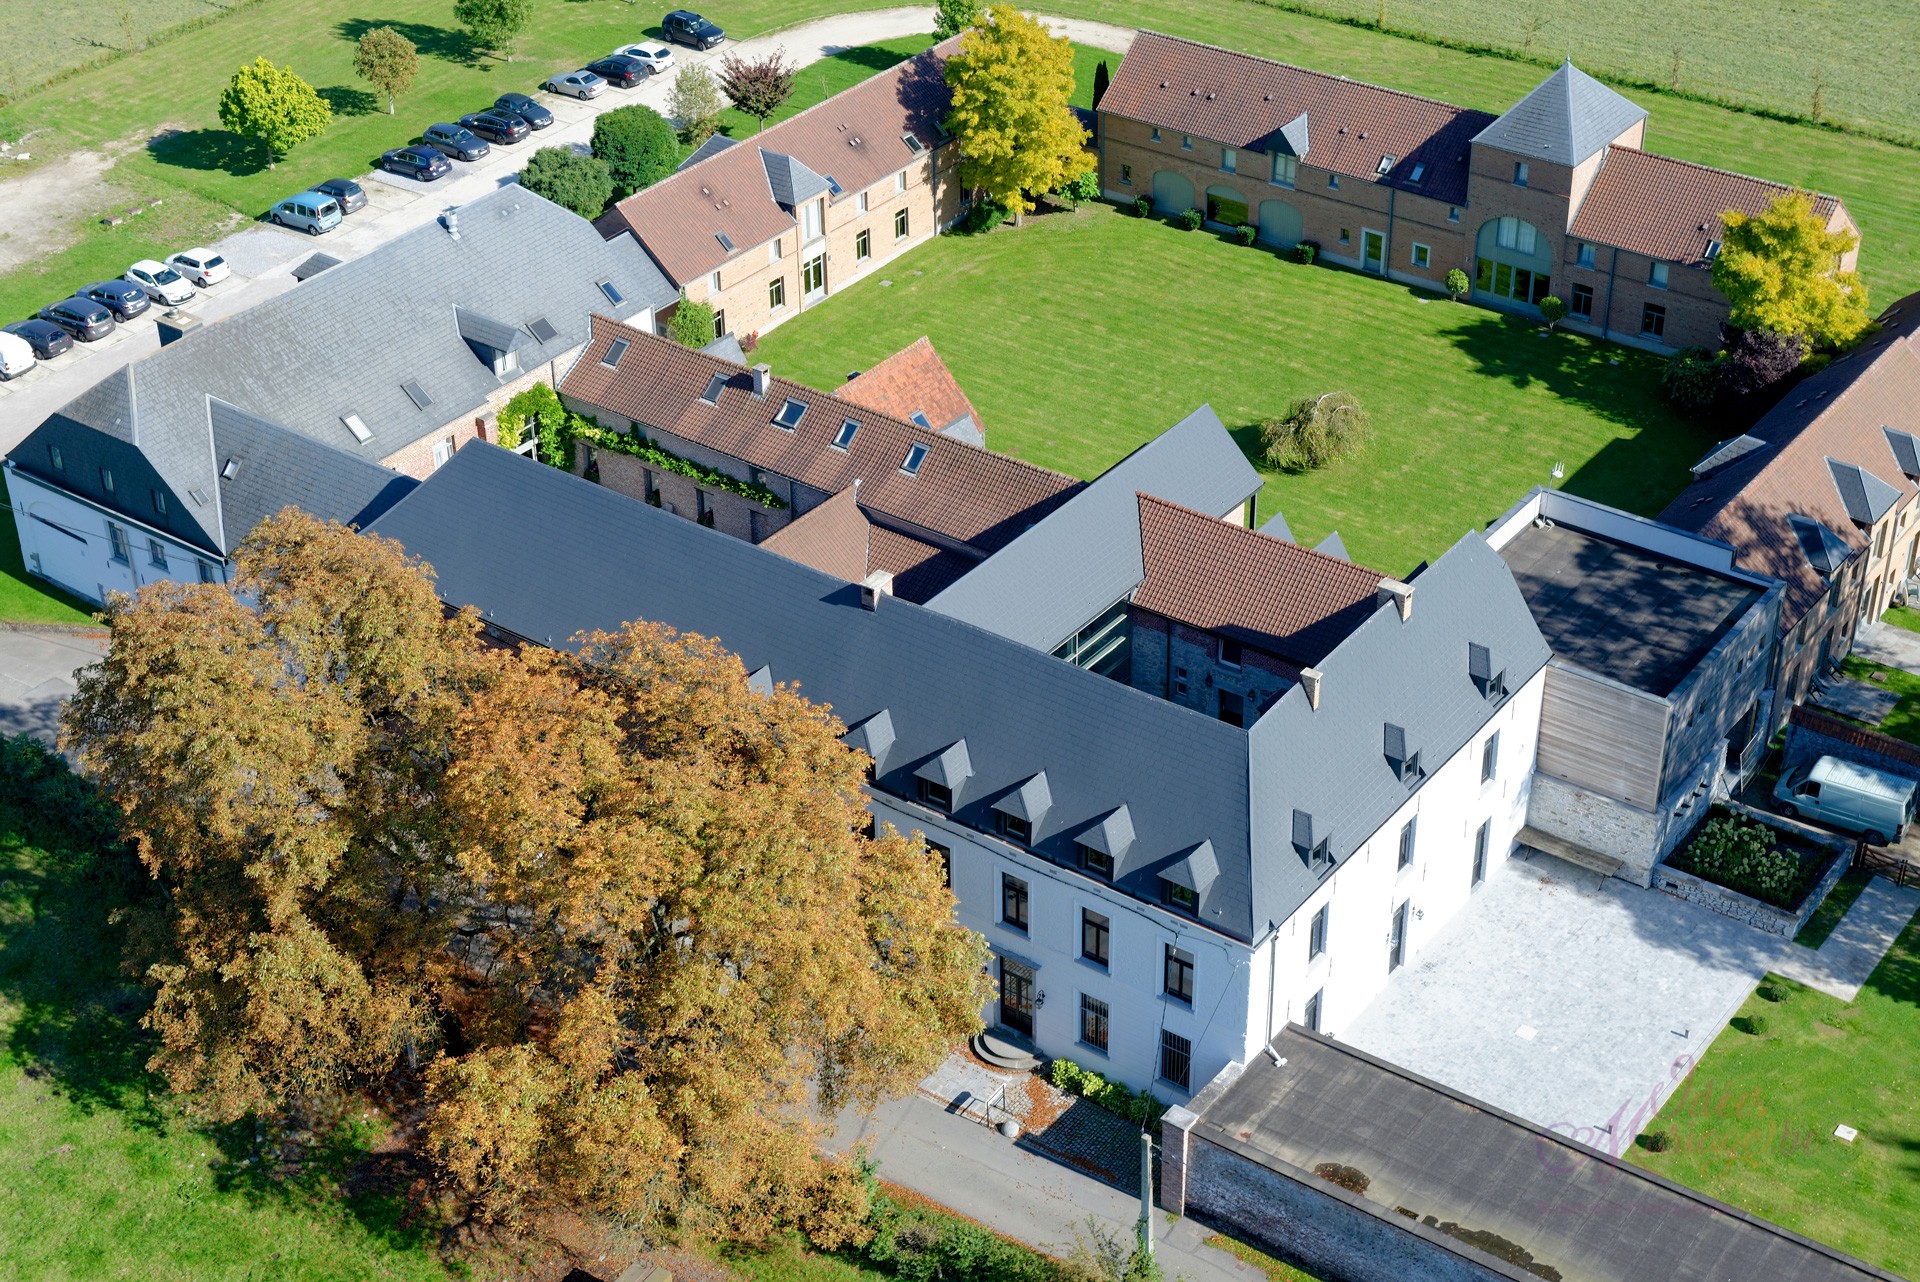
536	116
123	298
454	142
685	27
83	318
345	192
47	339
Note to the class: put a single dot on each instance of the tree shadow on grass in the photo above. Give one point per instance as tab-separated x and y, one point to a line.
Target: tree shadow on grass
208	149
1573	368
346	100
449	44
870	58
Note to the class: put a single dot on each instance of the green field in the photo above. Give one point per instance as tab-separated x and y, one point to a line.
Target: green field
1753	1125
1141	323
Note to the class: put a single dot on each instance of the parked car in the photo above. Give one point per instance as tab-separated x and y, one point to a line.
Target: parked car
346	193
685	27
620	70
160	282
312	212
123	298
454	142
496	126
47	339
1877	804
16	356
518	104
201	266
577	84
82	318
657	56
423	163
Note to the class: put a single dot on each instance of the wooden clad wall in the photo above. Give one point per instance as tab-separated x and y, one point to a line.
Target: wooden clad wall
1602	736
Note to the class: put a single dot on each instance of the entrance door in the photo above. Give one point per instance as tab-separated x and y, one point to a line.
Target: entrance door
1016	996
813	278
1373	251
1397	945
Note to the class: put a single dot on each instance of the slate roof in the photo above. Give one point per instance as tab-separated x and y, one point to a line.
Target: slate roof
961	492
1669	209
1779	506
1058	576
1448	1156
1254	103
854	138
274	468
1563	120
346	341
914	380
1240	583
1183	778
713	146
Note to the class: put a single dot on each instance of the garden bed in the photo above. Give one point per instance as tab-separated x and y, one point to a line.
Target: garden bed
1756	868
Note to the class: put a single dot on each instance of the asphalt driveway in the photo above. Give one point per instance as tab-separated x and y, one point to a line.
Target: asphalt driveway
36	676
1575	1001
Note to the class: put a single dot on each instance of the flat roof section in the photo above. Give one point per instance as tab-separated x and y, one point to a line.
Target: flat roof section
1623	612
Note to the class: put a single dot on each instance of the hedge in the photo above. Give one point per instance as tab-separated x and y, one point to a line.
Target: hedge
585	429
1141	1109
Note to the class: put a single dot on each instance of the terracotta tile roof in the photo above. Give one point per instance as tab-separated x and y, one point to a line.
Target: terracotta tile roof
919	569
1244	101
832	538
960	492
913	379
854	138
1840	414
1278	596
1666	208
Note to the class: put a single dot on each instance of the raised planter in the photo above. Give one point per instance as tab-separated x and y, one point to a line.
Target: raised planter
1728	902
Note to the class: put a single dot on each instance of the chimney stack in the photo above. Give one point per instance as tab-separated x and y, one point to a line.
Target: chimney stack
452	222
761	374
875	586
1401	594
1310	679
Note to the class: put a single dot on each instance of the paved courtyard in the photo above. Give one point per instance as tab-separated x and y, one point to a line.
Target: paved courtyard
36	675
1575	1001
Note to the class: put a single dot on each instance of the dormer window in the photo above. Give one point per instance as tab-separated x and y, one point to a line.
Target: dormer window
1230	654
1014	828
791	412
936	796
1285	170
1317	850
1097	862
1492	684
1404	761
1174	895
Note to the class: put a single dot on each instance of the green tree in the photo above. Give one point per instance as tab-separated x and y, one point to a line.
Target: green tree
1101	79
691	324
1458	284
638	146
1316	431
539	413
494	24
695	101
1011	85
1553	310
1781	272
388	61
570	180
758	86
951	17
273	105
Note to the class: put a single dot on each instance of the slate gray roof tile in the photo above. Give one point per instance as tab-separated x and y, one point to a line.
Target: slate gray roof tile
1564	119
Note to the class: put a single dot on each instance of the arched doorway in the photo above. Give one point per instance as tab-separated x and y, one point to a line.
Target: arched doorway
1513	262
1226	206
1172	194
1281	224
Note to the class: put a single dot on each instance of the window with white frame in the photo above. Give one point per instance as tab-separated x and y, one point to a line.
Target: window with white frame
1422	255
811	219
900	182
713	283
442	451
773	251
863	246
865	202
1285	170
776	293
900	225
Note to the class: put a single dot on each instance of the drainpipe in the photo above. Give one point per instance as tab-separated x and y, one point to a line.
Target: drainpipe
1606	321
1386	250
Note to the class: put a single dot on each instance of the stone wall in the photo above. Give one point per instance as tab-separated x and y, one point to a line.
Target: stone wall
1812	735
1744	908
1597	822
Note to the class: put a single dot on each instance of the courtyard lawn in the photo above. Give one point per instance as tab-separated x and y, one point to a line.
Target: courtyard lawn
1754	1123
25	599
1904	721
1082	335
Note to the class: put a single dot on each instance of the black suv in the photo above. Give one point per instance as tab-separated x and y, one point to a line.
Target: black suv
518	104
496	126
423	163
83	318
620	71
685	27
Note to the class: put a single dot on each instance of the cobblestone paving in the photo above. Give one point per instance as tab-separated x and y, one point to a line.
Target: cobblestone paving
1053	1123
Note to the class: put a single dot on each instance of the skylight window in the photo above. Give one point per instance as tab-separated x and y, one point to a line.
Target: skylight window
230	470
361	432
833	184
791	412
416	393
844	437
715	385
726	243
915	457
920	417
1419	171
615	350
542	330
1713	250
913	144
613	295
1386	163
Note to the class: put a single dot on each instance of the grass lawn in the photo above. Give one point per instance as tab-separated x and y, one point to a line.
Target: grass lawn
1142	323
99	1179
1754	1123
30	600
1901	616
1904	721
1277	1270
1832	909
792	1260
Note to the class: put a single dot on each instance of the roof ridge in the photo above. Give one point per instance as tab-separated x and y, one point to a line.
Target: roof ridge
1725	173
1323	75
1339	562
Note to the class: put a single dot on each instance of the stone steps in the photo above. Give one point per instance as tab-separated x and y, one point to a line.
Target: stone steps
1006	1049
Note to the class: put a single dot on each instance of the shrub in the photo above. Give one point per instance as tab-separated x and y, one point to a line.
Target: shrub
1082	186
1775	993
1757	359
1142	1109
1350	1178
35	780
750	341
570	180
637	145
1246	233
1740	855
1315	431
1553	310
1067	1075
1751	1025
537	410
1692	380
1656	1141
1457	284
1142	206
691	324
984	216
1191	219
1305	252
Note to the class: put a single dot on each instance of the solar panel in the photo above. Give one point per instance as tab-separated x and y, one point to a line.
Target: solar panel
790	415
542	329
615	351
416	393
915	457
613	295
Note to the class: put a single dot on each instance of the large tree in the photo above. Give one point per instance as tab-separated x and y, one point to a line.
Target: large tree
758	86
583	184
273	105
494	24
951	17
696	102
1012	83
638	146
1781	272
388	61
639	892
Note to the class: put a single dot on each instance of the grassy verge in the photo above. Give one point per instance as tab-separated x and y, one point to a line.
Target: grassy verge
792	1260
1753	1125
1278	1270
1832	909
24	599
1904	721
99	1178
1901	616
1469	408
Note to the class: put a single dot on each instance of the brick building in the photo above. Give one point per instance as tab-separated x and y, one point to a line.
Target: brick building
766	227
1555	196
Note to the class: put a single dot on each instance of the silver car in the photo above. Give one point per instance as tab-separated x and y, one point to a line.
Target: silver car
577	84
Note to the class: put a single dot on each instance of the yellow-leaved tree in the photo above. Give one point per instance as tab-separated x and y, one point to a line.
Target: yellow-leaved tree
1012	86
1781	272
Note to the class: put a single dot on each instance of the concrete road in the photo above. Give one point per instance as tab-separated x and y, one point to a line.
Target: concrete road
262	255
36	676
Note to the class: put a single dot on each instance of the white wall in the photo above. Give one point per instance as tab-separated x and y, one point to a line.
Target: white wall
66	540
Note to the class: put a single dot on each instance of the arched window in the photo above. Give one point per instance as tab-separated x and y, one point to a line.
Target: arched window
1512	261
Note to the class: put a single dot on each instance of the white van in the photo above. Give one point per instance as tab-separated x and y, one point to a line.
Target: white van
16	356
1874	803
